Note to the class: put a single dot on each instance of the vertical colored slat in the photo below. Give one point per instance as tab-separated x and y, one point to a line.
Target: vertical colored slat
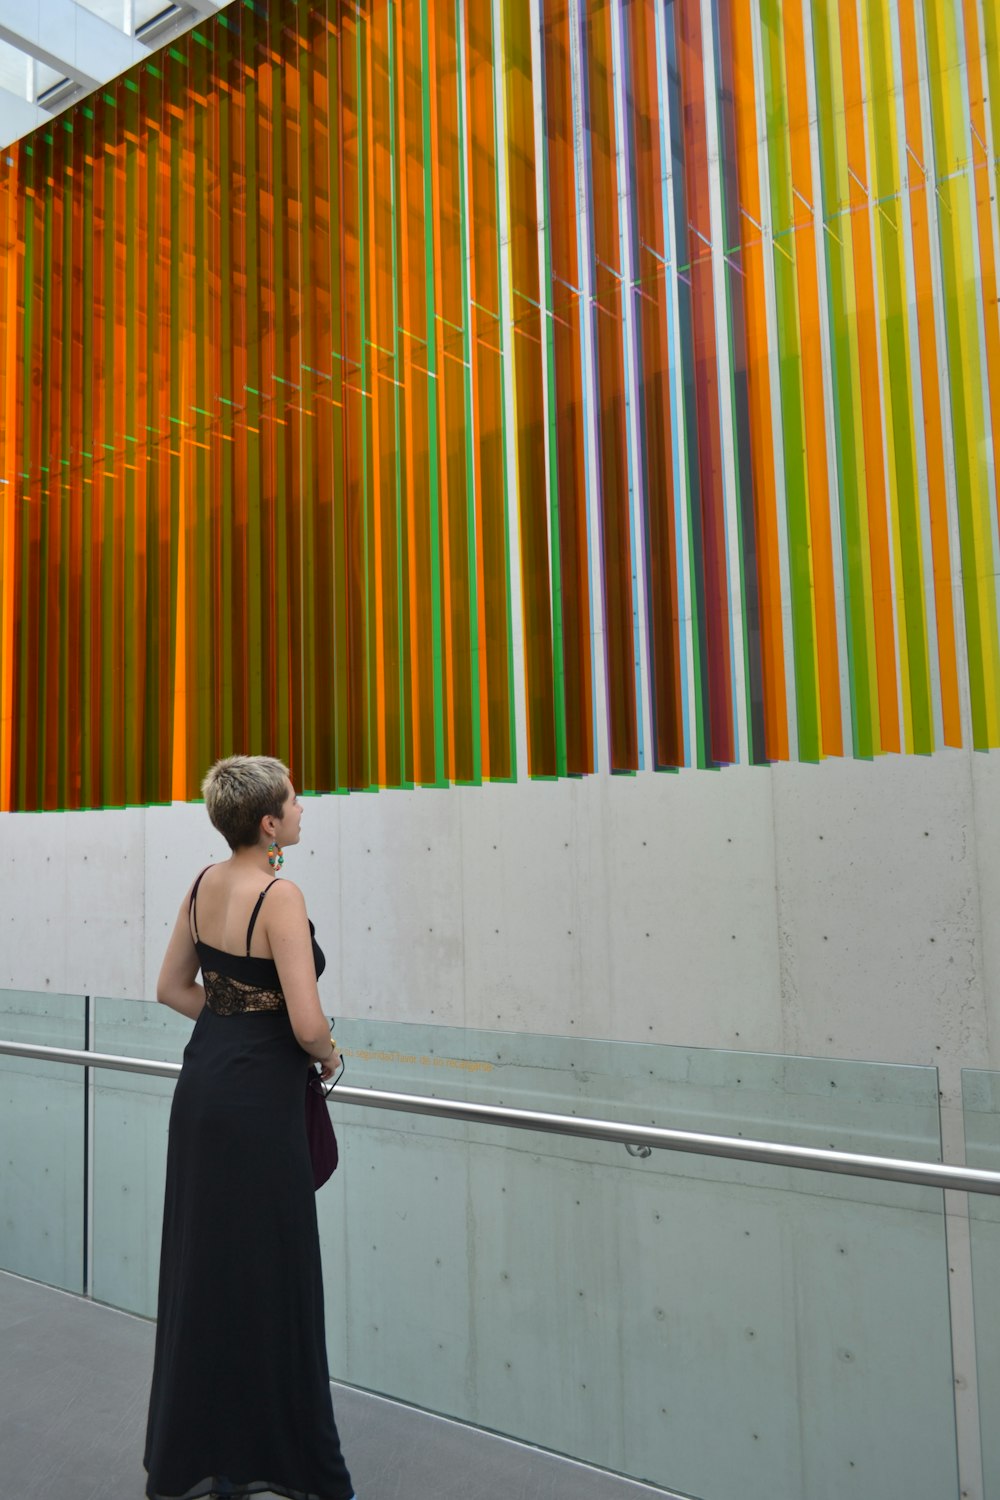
605	250
527	353
705	380
871	410
759	411
789	254
652	294
437	476
9	305
47	482
378	230
845	379
930	376
356	420
491	477
985	195
339	184
451	363
30	603
966	375
288	386
565	415
918	722
327	636
59	462
735	276
814	410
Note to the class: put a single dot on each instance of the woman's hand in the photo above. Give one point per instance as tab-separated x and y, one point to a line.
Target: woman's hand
330	1066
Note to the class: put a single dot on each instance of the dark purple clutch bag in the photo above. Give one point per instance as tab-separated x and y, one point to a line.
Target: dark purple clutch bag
319	1131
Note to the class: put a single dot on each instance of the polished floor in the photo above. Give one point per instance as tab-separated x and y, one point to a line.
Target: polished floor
74	1382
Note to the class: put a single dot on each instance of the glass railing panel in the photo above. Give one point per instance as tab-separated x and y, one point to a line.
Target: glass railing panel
720	1329
131	1112
42	1142
981	1110
845	1105
724	1330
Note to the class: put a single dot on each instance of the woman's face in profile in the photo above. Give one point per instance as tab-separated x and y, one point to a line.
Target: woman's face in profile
287	831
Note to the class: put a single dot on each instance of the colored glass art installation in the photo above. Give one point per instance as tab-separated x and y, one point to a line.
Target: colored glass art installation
436	391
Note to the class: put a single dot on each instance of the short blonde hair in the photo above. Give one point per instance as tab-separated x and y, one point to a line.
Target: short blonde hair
242	789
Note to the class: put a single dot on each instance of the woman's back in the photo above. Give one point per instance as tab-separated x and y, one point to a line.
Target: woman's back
224	908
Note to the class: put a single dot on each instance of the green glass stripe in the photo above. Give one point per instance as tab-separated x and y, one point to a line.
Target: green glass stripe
991	45
899	387
847	432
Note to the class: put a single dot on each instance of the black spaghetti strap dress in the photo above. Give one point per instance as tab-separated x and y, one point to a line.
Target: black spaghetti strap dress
240	1398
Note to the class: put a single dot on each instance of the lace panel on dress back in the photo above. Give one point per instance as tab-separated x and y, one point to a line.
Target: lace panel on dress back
231	997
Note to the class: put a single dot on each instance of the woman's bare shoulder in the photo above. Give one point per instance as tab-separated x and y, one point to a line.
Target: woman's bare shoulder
197	883
285	896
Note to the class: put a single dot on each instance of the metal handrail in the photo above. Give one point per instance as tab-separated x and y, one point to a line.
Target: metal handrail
642	1137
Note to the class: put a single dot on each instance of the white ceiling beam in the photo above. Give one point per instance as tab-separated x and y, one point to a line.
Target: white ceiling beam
78	45
44	55
69	38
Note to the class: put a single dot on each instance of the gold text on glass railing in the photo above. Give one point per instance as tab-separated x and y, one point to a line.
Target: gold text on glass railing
414	1059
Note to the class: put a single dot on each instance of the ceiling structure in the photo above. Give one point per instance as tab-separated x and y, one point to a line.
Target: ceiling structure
54	52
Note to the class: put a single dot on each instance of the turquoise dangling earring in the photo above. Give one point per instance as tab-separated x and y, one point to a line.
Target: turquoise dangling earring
275	858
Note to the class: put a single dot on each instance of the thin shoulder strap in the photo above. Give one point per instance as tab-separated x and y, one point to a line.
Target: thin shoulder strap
192	908
253	915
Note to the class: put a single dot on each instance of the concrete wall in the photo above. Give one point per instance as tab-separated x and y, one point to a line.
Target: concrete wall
839	910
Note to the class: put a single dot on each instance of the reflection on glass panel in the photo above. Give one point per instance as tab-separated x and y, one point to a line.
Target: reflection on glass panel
14	70
42	1135
981	1108
131	1112
672	1318
115	12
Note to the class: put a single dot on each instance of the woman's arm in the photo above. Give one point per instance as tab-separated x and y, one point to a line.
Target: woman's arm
176	985
287	928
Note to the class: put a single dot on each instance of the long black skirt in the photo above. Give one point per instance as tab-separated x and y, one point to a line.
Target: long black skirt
240	1397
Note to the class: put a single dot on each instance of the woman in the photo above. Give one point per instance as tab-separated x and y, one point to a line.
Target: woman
240	1400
